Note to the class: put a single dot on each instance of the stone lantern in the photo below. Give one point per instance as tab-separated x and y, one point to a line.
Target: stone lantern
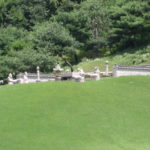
58	70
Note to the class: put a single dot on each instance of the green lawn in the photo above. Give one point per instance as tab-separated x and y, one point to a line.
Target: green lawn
110	114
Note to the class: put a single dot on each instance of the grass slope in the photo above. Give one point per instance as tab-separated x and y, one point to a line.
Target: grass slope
130	57
111	114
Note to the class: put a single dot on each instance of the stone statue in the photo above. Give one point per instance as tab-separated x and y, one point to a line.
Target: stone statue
80	71
95	75
67	71
58	68
79	75
25	78
1	82
12	81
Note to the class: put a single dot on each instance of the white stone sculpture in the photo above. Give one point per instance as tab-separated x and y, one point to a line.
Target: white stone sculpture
79	75
94	75
80	71
1	82
25	78
58	68
12	81
67	71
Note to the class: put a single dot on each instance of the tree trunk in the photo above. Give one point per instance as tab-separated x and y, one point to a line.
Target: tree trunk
69	64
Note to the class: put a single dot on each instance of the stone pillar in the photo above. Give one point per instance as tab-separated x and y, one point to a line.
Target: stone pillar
107	68
38	74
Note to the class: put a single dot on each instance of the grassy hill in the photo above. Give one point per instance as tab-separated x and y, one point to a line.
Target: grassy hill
111	114
129	57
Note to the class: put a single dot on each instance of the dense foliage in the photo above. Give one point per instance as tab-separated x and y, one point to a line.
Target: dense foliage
46	32
130	24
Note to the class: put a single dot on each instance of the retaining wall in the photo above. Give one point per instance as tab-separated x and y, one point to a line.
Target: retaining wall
131	70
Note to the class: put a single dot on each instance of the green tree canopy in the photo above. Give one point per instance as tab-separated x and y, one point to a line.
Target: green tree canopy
12	38
53	39
130	24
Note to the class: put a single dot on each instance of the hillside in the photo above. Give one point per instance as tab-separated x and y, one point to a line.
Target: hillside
111	114
46	32
138	57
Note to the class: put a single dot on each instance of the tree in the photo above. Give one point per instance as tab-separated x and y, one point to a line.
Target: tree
88	23
12	38
25	60
98	22
53	39
26	13
130	24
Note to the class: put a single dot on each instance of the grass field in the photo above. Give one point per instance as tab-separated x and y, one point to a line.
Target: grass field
110	114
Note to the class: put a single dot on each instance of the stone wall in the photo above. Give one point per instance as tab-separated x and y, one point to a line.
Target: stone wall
131	70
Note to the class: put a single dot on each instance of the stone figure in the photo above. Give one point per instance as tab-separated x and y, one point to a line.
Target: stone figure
25	78
1	82
67	71
12	81
79	75
80	71
58	68
94	75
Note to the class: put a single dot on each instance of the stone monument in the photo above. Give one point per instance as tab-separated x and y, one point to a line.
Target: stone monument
79	75
1	82
38	74
107	68
12	81
25	78
58	70
97	74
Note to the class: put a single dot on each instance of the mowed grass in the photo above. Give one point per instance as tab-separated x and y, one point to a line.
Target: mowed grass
110	114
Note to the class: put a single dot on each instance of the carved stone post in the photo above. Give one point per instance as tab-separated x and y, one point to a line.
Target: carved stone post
38	73
107	68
